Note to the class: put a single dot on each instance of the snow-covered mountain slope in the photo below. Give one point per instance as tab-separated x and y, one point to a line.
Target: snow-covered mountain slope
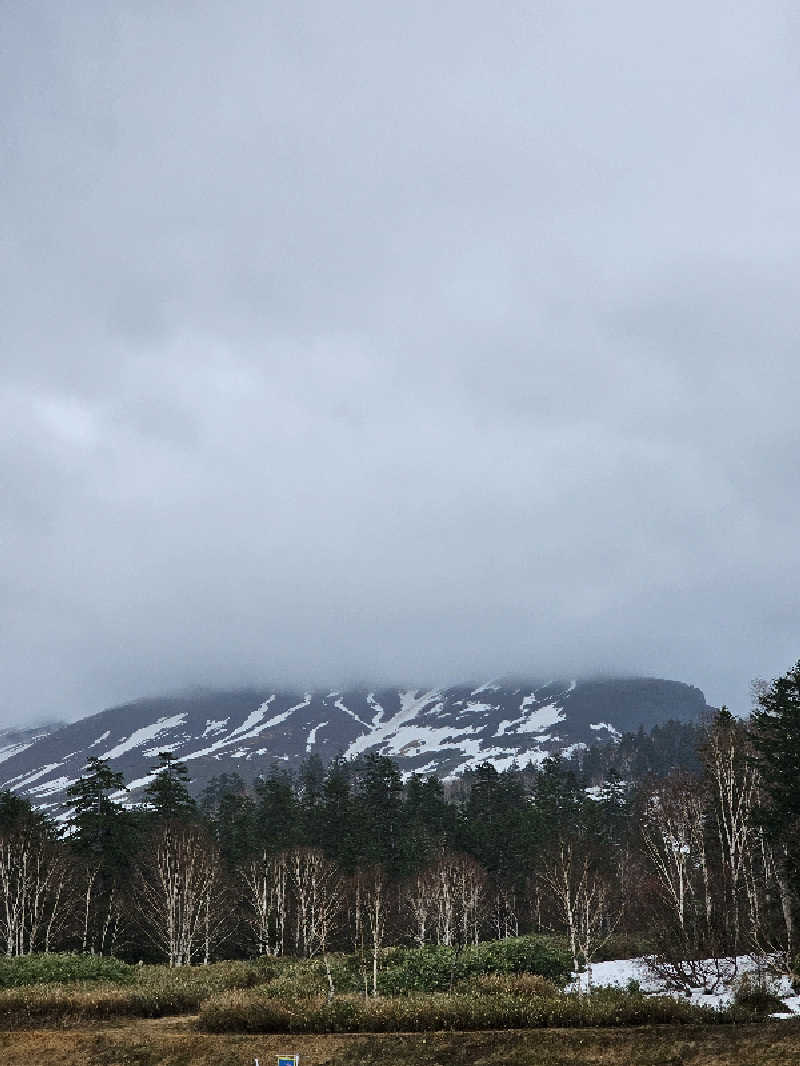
438	731
15	741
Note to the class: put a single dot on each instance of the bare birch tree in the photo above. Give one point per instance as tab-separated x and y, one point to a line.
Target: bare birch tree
36	895
734	783
266	882
317	897
586	893
179	894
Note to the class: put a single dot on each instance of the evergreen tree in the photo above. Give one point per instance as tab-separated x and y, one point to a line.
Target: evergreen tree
379	814
491	821
230	813
430	821
16	813
277	817
310	782
337	815
102	842
776	736
100	827
168	795
776	739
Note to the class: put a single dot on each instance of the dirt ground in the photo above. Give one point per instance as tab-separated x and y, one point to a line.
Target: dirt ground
173	1042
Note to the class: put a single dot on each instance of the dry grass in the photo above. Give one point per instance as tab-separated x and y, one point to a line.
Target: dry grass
164	1043
258	1011
152	992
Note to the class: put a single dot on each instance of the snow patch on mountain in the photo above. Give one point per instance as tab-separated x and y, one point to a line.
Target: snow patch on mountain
597	726
343	707
214	726
25	780
140	737
10	750
410	706
312	736
540	719
440	730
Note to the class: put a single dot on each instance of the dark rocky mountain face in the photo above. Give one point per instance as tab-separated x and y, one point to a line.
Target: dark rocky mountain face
437	731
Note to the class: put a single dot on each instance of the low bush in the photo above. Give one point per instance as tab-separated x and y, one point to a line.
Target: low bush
57	1004
144	992
306	979
54	969
756	995
435	968
203	981
524	985
256	1011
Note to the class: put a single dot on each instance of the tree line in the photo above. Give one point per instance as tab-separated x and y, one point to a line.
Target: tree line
687	834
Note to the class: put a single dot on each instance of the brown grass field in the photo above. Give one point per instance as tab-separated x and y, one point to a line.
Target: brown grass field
175	1042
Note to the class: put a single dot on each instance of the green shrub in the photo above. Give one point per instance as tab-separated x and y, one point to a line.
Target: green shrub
53	969
432	968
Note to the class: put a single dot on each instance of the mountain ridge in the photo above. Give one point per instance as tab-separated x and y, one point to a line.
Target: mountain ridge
442	731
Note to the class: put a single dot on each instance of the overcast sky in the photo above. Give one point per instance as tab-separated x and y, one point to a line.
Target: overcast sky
397	341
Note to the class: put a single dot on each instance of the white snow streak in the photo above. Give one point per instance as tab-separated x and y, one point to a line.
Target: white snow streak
410	706
143	735
540	719
615	733
312	736
352	714
13	749
378	717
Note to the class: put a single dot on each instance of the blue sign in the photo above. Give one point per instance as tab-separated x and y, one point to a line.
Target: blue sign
288	1060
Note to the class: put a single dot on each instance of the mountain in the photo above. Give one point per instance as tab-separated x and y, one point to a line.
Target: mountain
15	740
438	731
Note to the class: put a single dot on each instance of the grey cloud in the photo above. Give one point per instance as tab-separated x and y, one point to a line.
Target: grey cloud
414	343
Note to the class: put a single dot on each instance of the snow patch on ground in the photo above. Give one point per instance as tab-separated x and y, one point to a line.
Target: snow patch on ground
101	738
722	981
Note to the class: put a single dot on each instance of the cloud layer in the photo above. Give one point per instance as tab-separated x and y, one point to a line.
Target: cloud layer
408	341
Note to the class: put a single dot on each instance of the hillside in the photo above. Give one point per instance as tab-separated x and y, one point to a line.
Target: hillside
439	731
